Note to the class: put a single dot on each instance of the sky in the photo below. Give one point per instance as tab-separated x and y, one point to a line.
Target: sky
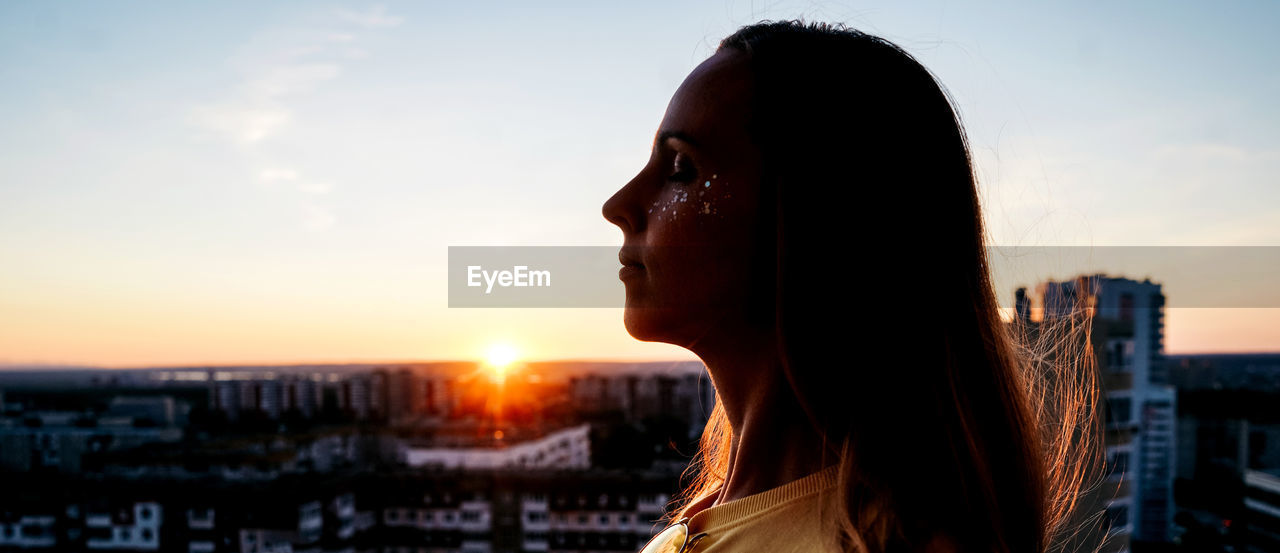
186	184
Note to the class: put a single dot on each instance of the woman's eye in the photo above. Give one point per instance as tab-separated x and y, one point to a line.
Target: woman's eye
682	169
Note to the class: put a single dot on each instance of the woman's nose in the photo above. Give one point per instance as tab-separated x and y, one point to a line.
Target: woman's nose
621	209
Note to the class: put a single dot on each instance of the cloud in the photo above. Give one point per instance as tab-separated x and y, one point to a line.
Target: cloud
278	82
376	17
241	123
276	67
259	109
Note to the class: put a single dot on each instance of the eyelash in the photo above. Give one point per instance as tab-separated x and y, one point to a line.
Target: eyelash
683	172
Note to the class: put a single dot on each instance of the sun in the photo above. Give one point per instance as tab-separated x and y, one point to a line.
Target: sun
500	357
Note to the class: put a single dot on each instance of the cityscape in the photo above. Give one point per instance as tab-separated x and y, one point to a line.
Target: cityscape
503	456
387	458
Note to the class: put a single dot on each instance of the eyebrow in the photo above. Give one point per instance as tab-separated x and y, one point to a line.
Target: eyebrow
664	136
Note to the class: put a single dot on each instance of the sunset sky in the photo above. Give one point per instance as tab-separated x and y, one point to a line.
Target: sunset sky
272	183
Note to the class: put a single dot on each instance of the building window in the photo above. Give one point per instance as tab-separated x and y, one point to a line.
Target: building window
1119	410
1118	516
1117	463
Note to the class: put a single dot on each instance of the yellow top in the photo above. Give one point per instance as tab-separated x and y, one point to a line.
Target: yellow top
786	519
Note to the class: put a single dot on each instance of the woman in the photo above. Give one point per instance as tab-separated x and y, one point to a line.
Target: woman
808	224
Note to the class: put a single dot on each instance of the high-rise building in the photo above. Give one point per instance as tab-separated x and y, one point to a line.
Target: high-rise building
355	396
685	393
1262	510
298	395
443	396
379	398
404	394
1138	304
1128	336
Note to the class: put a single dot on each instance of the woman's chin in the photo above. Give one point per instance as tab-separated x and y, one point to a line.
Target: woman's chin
652	324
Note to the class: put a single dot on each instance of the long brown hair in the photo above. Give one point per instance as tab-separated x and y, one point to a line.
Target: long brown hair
944	419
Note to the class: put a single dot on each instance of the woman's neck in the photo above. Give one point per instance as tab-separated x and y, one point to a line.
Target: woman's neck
773	441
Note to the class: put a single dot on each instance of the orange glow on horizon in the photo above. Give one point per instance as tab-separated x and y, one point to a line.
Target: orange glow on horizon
132	340
500	358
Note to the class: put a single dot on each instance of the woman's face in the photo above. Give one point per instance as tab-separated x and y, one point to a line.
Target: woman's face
689	216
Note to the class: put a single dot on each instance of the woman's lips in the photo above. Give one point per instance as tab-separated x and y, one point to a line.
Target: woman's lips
631	265
628	272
